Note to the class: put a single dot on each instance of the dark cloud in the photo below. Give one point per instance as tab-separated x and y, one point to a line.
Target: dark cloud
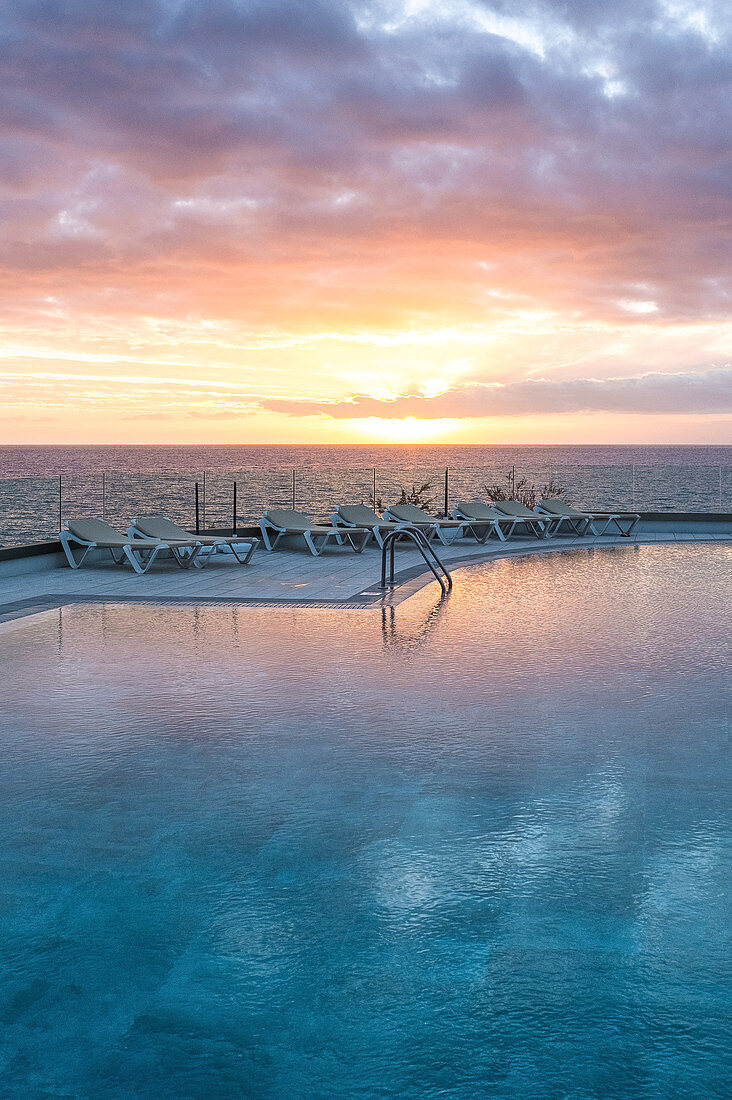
704	392
577	144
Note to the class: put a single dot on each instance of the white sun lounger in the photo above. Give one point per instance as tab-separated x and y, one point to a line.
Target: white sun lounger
484	519
360	516
279	522
431	526
541	526
583	522
160	527
95	534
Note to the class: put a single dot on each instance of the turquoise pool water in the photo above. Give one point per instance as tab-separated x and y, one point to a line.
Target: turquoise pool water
477	848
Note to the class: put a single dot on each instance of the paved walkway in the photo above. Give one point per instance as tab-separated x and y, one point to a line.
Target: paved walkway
339	578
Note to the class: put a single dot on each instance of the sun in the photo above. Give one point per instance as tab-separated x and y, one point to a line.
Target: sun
405	430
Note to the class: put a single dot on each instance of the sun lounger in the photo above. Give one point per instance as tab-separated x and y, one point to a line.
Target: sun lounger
484	519
285	521
160	527
95	534
359	515
412	516
541	526
583	522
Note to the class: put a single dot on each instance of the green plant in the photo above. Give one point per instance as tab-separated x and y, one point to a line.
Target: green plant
521	490
418	496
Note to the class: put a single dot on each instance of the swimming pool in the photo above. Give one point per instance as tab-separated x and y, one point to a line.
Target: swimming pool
477	847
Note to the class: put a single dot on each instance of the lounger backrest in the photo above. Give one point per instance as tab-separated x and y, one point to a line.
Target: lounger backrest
158	527
513	508
93	530
475	509
358	514
559	508
410	513
288	518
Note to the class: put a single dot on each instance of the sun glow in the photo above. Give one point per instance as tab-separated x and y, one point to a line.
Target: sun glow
406	430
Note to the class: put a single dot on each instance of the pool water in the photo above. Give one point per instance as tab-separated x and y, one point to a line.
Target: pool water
476	847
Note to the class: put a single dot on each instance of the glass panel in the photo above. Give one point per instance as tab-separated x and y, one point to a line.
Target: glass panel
724	474
598	488
82	496
421	485
128	495
28	510
678	488
476	482
256	490
319	492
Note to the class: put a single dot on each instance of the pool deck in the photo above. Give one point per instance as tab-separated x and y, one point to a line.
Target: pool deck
292	576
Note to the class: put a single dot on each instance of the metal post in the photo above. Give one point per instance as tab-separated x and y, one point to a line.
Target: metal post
204	502
198	523
233	527
720	488
60	504
293	490
633	485
373	502
104	496
513	481
447	510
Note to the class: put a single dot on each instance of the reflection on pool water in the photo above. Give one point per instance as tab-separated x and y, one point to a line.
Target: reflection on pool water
469	849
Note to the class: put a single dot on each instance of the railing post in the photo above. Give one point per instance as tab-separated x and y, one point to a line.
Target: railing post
204	502
633	485
198	521
447	509
293	490
104	496
60	504
233	527
720	488
373	502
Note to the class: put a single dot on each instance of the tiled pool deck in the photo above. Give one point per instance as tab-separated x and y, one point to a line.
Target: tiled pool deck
292	575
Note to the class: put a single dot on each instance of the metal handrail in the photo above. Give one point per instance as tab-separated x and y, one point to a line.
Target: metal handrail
427	551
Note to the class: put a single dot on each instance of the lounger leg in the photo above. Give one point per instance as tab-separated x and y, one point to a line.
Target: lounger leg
269	545
247	553
449	536
185	558
201	559
65	543
602	530
629	520
311	544
136	564
352	538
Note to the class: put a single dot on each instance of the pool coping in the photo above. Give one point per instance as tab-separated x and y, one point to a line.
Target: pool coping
408	581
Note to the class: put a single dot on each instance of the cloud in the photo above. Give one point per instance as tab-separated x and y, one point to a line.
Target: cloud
649	394
577	146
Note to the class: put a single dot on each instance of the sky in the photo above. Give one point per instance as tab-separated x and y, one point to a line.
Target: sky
365	221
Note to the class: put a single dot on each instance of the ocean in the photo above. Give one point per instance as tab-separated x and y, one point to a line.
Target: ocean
41	486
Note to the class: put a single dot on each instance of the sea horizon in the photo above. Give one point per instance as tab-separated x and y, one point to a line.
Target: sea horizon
50	459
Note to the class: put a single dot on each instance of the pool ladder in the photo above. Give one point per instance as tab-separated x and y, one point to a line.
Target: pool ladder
434	563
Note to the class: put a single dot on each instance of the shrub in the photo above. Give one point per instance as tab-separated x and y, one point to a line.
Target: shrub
418	496
522	491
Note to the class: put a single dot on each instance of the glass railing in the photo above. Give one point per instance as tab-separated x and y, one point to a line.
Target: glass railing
29	510
129	495
32	508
